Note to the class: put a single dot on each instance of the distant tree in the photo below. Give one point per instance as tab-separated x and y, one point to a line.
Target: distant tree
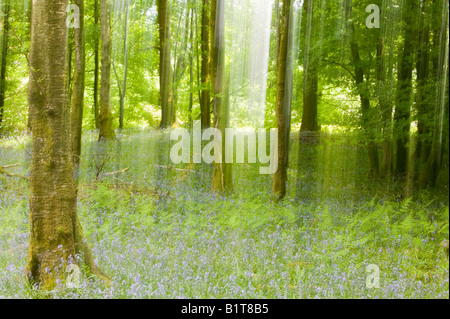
222	175
439	109
105	119
56	236
125	66
402	116
96	66
78	86
363	87
280	176
165	65
181	56
205	71
4	51
310	72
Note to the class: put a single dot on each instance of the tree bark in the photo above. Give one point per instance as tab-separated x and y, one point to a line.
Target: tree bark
423	100
105	121
78	87
222	179
165	66
125	72
205	74
181	62
385	110
96	67
55	231
280	176
402	114
310	80
4	60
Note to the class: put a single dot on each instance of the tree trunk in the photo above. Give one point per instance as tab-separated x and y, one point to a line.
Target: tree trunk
309	126
222	179
366	112
403	108
165	66
280	176
181	65
3	62
191	67
125	72
205	74
78	87
385	110
430	170
105	122
423	100
96	67
55	231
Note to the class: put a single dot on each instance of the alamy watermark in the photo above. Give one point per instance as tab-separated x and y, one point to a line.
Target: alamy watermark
73	278
373	20
373	277
73	16
256	146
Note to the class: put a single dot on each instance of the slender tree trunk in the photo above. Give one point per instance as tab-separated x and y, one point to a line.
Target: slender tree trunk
385	110
3	61
105	122
191	67
280	176
277	29
366	112
222	179
55	231
165	66
423	101
78	87
205	74
125	72
96	67
181	65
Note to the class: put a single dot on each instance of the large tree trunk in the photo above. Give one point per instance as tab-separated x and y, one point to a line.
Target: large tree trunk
165	66
280	176
205	75
55	232
222	179
402	114
106	127
4	59
78	87
96	68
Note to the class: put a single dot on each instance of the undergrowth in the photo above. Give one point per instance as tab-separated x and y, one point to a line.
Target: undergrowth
160	233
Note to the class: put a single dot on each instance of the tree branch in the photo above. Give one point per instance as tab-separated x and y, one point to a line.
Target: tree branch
7	173
341	65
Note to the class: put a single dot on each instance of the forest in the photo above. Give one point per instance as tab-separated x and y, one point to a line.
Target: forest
211	149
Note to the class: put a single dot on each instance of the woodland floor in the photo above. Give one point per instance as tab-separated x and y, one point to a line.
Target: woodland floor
157	230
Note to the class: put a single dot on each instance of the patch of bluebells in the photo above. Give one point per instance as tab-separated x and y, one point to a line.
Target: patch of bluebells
187	245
